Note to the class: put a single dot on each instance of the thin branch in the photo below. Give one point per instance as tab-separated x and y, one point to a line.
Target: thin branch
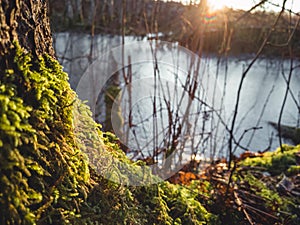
284	100
243	78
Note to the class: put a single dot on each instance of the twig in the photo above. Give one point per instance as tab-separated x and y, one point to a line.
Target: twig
260	211
240	204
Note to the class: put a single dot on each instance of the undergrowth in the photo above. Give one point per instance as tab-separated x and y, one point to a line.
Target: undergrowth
264	189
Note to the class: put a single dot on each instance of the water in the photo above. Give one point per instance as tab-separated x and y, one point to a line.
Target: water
260	103
261	99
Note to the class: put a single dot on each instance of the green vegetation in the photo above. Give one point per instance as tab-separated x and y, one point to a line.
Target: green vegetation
277	162
46	178
264	189
111	94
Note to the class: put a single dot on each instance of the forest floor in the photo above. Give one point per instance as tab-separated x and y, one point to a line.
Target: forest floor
261	188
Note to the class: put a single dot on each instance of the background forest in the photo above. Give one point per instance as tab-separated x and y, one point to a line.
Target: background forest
225	31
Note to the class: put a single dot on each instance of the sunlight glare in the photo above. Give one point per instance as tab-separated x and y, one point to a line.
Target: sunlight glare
273	5
215	5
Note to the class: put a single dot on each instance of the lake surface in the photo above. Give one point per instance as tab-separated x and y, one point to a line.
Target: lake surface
260	103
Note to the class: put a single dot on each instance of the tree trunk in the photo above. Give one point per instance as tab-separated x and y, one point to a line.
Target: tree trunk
69	11
92	12
74	11
25	21
39	182
79	11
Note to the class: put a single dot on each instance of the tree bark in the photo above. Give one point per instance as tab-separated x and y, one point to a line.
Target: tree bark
36	124
27	22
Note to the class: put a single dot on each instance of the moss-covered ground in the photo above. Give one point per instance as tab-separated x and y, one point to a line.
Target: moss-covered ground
263	189
46	176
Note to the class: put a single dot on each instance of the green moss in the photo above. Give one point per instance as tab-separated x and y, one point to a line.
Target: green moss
45	175
262	176
260	188
293	170
111	97
268	197
185	207
162	203
276	162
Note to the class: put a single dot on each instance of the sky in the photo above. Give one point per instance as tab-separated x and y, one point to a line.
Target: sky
247	4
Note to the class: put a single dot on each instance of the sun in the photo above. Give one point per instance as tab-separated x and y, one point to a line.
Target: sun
215	5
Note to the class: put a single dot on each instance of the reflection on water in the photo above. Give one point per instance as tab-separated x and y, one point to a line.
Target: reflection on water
261	98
